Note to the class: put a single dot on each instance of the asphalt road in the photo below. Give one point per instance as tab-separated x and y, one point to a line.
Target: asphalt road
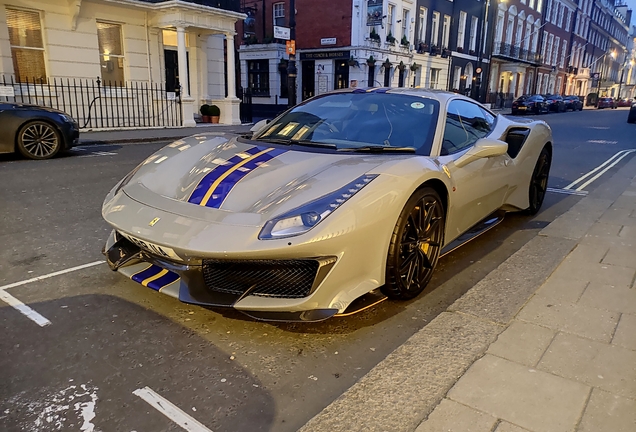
112	345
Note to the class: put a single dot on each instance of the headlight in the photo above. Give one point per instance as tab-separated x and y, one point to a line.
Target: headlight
67	118
302	219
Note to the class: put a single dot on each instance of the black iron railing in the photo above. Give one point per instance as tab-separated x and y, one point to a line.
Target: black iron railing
503	49
95	104
500	100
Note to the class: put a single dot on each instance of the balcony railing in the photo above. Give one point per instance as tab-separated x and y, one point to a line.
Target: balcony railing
230	5
503	49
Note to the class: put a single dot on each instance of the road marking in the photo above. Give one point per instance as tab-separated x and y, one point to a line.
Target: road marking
598	168
50	275
602	142
23	309
167	408
587	183
567	191
98	153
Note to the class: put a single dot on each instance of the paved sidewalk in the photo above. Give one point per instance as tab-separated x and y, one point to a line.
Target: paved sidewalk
150	135
545	343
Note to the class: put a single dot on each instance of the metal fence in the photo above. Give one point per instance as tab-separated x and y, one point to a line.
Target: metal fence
516	52
500	100
95	104
245	107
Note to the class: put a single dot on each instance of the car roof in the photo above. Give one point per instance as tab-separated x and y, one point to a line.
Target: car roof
440	95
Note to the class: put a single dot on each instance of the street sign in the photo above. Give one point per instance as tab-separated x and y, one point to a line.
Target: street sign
6	91
328	41
478	70
291	47
282	33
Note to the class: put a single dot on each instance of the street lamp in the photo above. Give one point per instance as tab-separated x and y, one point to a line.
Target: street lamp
620	84
482	42
291	64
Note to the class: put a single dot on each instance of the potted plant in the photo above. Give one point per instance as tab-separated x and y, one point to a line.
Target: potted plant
390	38
282	65
460	49
353	62
422	48
446	52
215	113
471	52
387	64
414	67
205	113
434	50
374	36
405	42
401	66
370	61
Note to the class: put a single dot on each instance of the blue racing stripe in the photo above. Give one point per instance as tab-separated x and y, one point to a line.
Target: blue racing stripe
225	187
163	281
145	274
201	189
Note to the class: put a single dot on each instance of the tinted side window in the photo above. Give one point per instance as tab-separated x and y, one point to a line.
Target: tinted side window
465	124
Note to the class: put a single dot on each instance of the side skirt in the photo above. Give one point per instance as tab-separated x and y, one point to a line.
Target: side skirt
375	297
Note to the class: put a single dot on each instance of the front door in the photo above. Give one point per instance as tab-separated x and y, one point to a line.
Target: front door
308	78
341	79
482	185
171	62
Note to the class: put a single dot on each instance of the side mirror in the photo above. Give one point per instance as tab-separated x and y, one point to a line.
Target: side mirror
483	148
260	125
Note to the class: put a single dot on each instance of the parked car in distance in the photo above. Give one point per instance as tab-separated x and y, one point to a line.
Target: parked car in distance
36	132
555	103
631	117
625	102
606	102
525	104
573	103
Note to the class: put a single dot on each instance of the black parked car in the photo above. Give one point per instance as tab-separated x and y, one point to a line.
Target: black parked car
534	104
631	117
36	132
555	103
573	103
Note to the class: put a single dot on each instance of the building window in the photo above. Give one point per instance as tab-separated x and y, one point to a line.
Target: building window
405	23
544	46
279	14
27	46
519	35
509	27
284	88
473	33
526	41
446	31
568	20
555	11
539	5
457	78
548	10
564	52
461	30
531	4
389	19
435	77
435	29
111	54
258	77
555	52
561	12
423	16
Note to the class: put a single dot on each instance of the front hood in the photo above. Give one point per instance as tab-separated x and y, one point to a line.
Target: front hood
242	176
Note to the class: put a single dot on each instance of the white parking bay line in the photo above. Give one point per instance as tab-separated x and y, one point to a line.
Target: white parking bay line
167	408
50	275
620	155
567	191
23	309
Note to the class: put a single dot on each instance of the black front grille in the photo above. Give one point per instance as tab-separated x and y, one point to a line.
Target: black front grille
266	278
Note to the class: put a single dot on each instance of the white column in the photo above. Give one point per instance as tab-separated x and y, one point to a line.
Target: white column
182	59
231	77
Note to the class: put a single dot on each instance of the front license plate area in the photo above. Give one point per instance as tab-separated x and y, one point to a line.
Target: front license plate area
154	249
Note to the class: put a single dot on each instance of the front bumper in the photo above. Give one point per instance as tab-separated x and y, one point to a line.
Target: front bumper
205	284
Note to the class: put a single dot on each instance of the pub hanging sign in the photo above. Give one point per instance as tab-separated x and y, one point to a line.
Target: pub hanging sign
374	12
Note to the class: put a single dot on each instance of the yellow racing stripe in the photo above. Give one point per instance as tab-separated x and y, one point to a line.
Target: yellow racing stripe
145	282
218	181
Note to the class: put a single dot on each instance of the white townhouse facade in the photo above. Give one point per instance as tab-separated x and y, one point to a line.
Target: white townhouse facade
120	48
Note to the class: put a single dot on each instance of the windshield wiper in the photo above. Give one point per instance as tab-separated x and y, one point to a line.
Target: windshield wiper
378	149
307	143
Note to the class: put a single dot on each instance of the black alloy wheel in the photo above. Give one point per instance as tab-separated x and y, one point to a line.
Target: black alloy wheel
39	140
415	245
539	181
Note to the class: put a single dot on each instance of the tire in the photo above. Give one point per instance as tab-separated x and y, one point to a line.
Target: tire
39	140
415	245
539	181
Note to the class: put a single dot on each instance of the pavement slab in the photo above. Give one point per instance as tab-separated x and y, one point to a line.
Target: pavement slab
596	273
621	256
562	290
608	412
611	298
499	296
581	320
526	397
450	416
625	335
405	387
618	216
509	427
576	222
593	363
522	343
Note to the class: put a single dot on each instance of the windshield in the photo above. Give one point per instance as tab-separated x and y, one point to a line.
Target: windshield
359	122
